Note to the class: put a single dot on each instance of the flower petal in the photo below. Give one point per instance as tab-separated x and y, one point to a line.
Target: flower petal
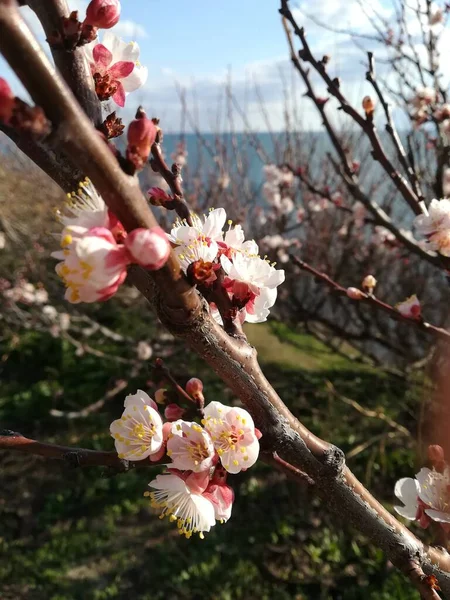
136	79
119	96
121	69
102	56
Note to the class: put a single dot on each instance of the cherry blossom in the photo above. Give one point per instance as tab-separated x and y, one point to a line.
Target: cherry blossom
202	250
233	434
435	226
86	209
426	497
190	447
193	512
208	230
252	282
93	264
115	67
138	434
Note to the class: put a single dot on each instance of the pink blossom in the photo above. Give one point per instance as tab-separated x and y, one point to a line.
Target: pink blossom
138	434
93	265
149	248
115	67
233	434
190	447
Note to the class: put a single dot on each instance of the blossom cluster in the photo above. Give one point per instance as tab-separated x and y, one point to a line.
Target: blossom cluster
96	249
435	226
426	497
192	491
277	188
204	250
426	107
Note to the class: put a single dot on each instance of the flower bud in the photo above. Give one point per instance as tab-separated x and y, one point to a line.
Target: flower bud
355	294
157	196
6	101
194	387
368	106
173	412
103	13
369	283
144	351
161	396
436	456
141	135
149	248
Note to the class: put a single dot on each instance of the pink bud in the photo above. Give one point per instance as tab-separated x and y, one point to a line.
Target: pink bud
149	248
355	294
157	196
173	412
194	387
103	13
436	453
6	101
258	434
141	135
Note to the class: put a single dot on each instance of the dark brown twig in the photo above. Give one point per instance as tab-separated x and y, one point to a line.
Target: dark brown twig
373	301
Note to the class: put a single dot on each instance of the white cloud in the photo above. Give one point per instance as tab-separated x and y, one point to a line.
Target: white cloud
129	29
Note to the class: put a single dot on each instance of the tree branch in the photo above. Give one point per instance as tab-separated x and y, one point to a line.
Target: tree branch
182	311
439	332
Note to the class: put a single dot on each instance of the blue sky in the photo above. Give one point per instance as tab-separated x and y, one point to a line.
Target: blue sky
197	42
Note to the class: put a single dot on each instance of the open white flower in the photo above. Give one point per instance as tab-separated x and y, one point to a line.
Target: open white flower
407	490
86	209
190	447
434	492
198	249
210	229
192	512
437	219
139	432
252	282
116	65
233	434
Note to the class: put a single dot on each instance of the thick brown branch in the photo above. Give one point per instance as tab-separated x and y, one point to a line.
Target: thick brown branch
183	312
72	65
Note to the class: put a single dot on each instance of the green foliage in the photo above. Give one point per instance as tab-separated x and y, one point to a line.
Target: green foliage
90	535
